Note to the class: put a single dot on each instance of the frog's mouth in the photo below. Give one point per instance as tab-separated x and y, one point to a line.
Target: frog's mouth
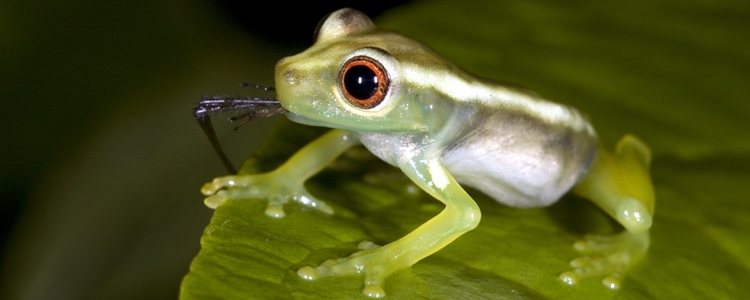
246	109
297	118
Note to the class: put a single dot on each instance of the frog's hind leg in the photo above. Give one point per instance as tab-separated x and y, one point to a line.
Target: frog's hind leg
620	184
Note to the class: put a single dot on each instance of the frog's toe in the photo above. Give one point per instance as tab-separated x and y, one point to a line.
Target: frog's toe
222	188
275	207
374	274
373	262
593	243
277	190
374	291
225	182
611	280
279	198
608	256
215	200
589	266
211	188
373	284
221	196
306	199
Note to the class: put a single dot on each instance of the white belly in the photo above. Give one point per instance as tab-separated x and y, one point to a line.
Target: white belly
520	162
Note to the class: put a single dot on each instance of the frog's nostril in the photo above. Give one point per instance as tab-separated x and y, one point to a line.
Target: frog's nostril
285	73
291	77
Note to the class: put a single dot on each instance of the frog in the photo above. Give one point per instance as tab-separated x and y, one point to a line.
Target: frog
445	129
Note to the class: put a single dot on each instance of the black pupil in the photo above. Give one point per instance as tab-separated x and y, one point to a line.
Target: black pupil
361	82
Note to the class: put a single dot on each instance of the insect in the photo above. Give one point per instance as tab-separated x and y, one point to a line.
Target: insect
443	128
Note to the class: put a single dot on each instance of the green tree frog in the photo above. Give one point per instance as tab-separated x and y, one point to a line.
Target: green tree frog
444	128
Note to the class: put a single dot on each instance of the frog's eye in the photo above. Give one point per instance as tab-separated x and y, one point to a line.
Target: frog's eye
364	82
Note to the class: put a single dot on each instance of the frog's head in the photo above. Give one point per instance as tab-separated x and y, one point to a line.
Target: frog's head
356	77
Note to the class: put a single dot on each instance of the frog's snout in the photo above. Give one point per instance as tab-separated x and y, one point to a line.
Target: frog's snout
287	80
285	74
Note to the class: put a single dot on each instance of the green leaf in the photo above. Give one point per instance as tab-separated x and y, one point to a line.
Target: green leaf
672	73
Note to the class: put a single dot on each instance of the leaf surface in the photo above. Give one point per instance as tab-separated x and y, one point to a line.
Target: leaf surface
674	74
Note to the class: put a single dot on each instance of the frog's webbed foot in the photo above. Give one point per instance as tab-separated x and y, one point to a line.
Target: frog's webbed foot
374	261
607	255
275	187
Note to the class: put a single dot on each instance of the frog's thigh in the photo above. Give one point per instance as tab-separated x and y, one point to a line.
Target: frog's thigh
620	184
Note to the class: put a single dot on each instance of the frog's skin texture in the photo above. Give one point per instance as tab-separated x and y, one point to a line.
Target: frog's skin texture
443	128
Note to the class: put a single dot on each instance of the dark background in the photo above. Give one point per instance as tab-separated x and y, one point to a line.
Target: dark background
101	161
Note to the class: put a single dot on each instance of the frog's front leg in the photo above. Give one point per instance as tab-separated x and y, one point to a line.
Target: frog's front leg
287	181
620	184
460	215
